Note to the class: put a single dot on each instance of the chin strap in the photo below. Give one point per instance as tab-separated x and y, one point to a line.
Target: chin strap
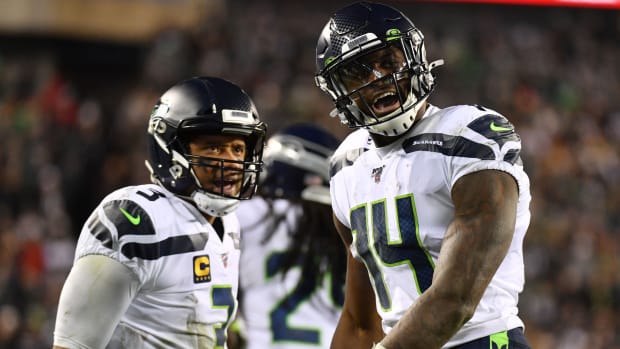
213	205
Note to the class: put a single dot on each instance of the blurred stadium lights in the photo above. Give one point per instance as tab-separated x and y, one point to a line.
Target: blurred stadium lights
113	20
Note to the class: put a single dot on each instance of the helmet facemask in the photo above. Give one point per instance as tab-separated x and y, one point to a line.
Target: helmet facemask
231	180
380	84
206	115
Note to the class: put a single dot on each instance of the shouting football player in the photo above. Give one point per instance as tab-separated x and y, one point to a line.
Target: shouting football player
435	211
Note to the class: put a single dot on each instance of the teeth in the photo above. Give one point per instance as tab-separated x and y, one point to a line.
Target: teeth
385	94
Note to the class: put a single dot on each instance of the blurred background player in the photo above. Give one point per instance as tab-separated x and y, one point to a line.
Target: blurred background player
156	265
434	217
292	262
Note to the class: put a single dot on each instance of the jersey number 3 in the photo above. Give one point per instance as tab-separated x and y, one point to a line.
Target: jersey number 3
223	299
374	246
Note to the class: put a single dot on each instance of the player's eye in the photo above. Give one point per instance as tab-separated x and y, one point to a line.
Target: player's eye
356	71
239	149
211	149
390	64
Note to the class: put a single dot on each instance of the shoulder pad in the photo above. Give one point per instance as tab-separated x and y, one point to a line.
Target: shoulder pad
350	150
340	161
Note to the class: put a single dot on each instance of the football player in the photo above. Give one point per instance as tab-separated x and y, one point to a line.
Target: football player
156	265
292	262
435	211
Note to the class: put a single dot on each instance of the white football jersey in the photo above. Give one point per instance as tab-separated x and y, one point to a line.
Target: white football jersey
188	275
281	311
397	202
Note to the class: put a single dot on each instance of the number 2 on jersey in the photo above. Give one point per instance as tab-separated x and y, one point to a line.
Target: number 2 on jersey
282	331
407	250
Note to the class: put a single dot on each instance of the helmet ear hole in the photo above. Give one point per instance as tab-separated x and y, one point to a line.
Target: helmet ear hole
176	171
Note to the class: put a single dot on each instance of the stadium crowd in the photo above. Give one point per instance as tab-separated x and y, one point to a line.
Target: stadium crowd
554	72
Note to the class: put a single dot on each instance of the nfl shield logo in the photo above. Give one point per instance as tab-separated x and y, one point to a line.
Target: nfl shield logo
376	173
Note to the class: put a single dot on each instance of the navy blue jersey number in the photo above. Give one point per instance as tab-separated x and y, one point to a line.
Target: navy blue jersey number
223	299
281	330
407	250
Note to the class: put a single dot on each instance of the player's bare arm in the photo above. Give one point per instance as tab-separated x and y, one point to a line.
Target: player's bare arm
482	229
359	325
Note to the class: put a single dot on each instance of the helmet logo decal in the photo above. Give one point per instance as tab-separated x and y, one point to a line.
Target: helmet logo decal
392	34
329	60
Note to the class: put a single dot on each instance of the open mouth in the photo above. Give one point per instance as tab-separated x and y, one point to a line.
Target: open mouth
226	187
385	103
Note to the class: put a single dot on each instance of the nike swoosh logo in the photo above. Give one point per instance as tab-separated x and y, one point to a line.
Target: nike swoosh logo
133	220
496	128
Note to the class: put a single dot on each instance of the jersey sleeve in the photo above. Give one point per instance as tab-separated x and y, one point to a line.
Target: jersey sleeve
488	142
88	319
353	146
119	228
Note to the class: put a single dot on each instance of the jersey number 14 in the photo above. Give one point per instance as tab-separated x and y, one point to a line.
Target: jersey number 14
374	246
